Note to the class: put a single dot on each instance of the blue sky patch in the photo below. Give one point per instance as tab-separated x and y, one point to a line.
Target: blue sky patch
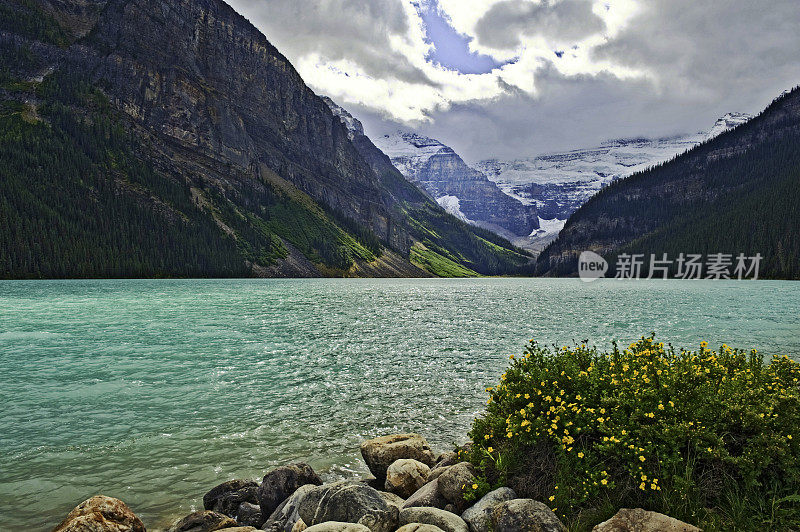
451	49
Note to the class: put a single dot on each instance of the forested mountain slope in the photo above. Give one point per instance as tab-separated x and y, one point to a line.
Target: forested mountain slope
737	193
144	138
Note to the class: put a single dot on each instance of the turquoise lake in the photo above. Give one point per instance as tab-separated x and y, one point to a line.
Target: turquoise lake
154	391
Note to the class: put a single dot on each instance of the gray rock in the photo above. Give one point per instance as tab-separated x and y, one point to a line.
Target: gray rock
379	453
228	496
285	516
639	520
453	484
479	516
436	472
101	514
391	498
241	529
427	495
335	526
449	522
280	483
348	502
405	476
419	527
249	514
525	515
446	459
206	521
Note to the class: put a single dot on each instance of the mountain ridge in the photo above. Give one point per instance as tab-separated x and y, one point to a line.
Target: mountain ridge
735	193
217	116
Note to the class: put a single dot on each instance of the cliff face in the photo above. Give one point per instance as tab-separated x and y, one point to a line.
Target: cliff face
201	75
466	192
213	108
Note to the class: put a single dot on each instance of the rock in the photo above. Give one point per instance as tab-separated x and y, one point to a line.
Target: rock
419	527
436	472
250	514
379	453
454	482
391	498
280	483
449	522
227	497
373	482
349	502
335	526
405	476
525	515
299	526
207	521
446	459
101	514
427	495
241	529
479	516
639	520
285	516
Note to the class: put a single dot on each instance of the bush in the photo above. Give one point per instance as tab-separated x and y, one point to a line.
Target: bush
704	436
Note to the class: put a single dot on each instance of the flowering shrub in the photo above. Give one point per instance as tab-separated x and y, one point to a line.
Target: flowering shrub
674	431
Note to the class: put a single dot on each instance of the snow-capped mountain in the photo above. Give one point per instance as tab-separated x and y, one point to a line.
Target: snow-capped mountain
559	183
460	189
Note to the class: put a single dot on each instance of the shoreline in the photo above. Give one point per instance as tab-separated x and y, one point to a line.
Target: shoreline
412	489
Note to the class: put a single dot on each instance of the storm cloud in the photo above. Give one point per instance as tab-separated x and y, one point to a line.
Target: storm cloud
570	73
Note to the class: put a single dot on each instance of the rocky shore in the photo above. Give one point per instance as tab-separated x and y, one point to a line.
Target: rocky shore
413	490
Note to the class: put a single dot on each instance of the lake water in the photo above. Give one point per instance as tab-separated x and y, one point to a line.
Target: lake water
155	391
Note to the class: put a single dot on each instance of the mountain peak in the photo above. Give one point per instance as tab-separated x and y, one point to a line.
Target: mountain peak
353	125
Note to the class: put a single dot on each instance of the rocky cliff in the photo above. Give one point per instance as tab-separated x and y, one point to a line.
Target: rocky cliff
462	190
213	109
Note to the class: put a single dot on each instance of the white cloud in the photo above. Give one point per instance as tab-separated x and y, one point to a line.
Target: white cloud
656	66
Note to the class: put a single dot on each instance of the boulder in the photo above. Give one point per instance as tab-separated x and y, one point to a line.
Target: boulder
241	529
281	482
226	497
101	514
449	522
299	526
454	482
285	516
207	521
427	495
335	526
639	520
479	515
436	472
405	476
419	527
391	498
379	453
525	515
446	459
250	514
348	502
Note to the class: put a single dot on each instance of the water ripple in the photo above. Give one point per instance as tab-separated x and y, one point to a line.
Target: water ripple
154	391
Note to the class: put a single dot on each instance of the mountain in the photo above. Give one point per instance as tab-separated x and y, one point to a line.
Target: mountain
738	192
170	138
459	188
558	183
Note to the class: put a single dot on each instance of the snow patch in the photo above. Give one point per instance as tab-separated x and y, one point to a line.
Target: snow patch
453	206
548	227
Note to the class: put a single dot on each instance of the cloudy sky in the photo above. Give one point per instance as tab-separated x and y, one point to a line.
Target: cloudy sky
515	78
